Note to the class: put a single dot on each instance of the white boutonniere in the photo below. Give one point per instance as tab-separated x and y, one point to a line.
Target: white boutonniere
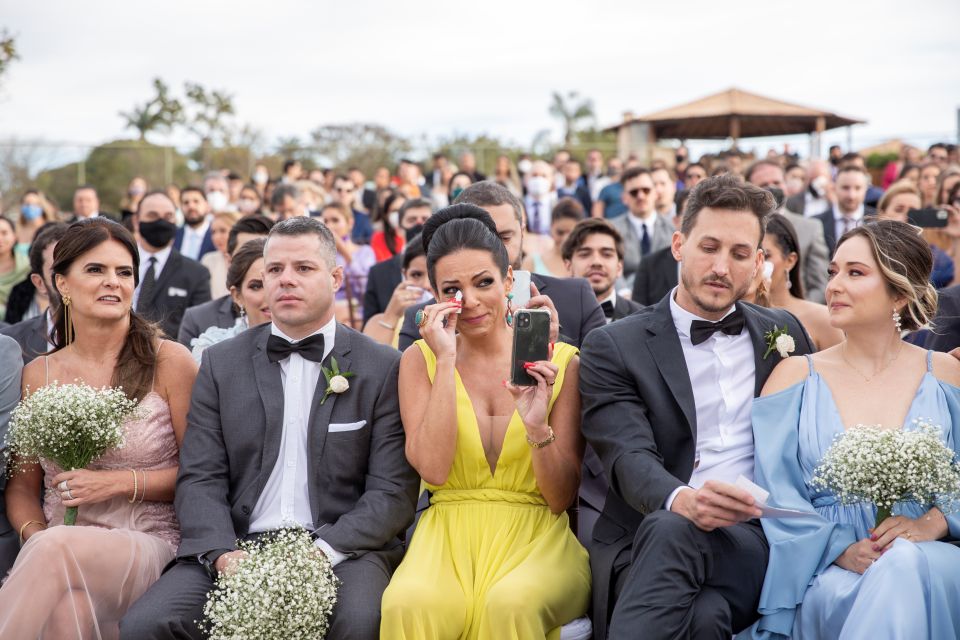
779	340
336	380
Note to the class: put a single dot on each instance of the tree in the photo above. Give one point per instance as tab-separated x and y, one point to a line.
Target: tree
571	110
160	113
8	51
359	144
208	117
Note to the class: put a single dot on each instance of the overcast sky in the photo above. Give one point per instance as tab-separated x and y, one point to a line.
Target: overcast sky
435	68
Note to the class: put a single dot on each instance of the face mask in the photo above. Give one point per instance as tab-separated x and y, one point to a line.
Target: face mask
413	232
455	193
247	206
158	233
538	186
136	191
524	166
217	201
819	186
795	185
261	177
393	219
31	211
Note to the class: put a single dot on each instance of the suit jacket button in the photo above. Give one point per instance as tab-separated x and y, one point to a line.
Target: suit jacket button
245	509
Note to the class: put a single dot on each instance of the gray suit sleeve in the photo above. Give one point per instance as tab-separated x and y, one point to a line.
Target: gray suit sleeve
815	266
387	505
409	333
203	482
616	425
201	293
189	328
11	368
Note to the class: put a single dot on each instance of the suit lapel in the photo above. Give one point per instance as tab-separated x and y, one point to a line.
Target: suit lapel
758	327
270	387
319	423
169	268
668	356
225	310
662	234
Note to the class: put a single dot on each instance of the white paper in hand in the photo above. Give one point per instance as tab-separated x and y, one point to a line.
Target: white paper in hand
760	495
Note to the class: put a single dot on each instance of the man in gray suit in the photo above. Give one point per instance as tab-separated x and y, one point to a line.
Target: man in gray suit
280	448
10	368
813	249
642	229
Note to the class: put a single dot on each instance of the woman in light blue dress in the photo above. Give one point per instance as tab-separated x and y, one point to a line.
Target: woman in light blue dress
832	575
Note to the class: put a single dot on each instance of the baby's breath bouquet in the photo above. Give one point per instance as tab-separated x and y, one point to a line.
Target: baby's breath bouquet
887	466
70	425
284	588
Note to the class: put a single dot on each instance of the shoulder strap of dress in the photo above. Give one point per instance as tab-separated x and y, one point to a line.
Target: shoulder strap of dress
810	364
153	386
46	370
929	360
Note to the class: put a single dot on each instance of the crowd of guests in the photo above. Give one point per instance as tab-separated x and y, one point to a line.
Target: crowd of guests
599	500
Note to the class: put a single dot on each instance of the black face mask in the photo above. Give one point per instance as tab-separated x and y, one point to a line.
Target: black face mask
412	232
158	233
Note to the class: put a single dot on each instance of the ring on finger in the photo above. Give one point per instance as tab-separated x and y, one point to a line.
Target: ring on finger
420	318
63	486
68	495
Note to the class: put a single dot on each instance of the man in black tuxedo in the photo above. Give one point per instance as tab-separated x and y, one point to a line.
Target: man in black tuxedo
573	299
945	335
594	251
222	312
656	276
169	282
667	392
849	210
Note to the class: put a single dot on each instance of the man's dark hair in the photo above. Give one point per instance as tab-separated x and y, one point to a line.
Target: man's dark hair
852	168
490	194
287	164
46	235
633	172
254	224
192	189
791	167
413	203
851	156
587	228
834	146
728	192
302	226
691	165
748	175
281	192
567	209
233	175
85	187
937	145
155	192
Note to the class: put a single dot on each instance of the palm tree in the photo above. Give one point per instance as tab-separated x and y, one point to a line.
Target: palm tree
571	110
159	113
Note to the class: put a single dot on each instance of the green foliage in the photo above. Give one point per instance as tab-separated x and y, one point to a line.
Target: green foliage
358	144
881	160
484	147
160	113
571	110
8	51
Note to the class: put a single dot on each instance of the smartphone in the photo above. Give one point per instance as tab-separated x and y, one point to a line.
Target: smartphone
531	342
928	217
521	288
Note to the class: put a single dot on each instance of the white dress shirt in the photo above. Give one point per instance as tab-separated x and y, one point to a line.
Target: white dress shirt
162	256
722	374
193	239
650	222
285	500
839	219
812	205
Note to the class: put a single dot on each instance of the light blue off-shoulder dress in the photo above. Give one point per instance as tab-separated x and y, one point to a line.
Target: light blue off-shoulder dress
911	592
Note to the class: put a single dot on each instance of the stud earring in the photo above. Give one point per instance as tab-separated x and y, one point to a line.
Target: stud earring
896	320
509	317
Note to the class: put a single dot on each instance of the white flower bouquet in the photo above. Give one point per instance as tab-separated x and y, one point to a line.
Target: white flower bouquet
70	425
886	466
284	588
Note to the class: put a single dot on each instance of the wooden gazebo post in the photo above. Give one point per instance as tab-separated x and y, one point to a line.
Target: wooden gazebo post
735	129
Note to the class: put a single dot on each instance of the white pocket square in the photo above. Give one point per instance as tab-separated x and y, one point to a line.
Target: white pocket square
339	427
175	292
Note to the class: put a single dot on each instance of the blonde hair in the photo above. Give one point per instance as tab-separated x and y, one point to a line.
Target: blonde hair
898	188
230	217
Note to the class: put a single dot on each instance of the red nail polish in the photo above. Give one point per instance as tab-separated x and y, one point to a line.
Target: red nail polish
876	548
873	536
529	365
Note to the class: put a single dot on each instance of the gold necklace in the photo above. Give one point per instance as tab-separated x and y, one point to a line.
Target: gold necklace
843	354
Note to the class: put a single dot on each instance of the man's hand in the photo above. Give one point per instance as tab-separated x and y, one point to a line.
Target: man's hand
716	504
227	563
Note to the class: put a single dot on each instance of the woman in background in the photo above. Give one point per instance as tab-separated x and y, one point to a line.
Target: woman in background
14	266
355	259
564	217
413	289
217	261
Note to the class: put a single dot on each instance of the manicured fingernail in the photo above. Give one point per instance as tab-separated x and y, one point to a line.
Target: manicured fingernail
876	548
873	536
529	365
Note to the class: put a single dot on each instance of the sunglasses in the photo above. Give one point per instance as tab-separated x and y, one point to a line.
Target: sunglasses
635	192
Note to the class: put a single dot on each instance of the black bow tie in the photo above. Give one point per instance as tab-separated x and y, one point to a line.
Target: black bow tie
607	306
731	325
310	348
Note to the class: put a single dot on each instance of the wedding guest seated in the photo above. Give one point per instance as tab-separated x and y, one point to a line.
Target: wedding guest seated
355	260
397	225
835	574
413	288
11	367
14	266
493	556
565	215
34	294
245	284
273	448
77	581
781	249
221	312
945	335
594	251
217	261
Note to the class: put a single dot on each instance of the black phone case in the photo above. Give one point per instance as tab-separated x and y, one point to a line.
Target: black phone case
531	342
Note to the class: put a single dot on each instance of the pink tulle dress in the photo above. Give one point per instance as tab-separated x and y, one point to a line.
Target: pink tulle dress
78	581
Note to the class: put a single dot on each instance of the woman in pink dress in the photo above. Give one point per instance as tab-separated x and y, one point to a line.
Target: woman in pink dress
77	581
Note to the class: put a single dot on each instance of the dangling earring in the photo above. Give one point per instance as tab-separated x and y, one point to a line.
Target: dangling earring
896	320
787	276
243	318
509	317
67	321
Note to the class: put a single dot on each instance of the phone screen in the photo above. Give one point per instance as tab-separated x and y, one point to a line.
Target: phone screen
531	342
521	288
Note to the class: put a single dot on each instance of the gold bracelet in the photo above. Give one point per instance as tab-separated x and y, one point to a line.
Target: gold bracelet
143	489
540	445
27	524
133	498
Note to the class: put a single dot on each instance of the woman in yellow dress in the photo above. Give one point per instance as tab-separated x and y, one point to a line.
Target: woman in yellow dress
493	557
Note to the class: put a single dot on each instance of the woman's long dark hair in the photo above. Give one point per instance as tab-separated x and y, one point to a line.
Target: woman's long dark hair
137	362
786	236
389	233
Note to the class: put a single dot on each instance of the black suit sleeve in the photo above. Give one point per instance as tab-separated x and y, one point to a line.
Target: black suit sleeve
591	312
945	335
617	426
409	333
641	284
371	301
201	292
